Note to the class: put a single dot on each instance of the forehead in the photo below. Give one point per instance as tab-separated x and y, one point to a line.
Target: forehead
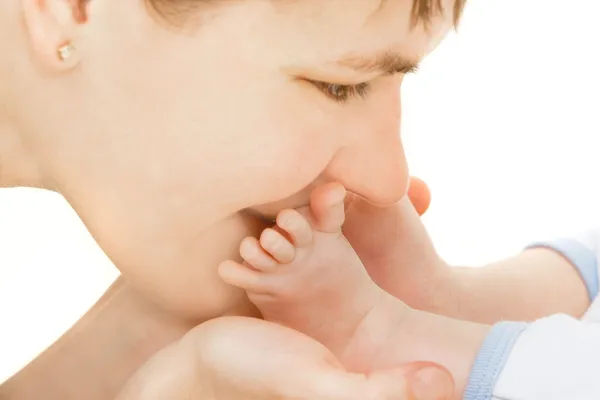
333	28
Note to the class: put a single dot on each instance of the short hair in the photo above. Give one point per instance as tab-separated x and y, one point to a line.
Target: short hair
422	10
425	10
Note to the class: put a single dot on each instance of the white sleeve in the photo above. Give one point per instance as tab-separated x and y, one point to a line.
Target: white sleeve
555	358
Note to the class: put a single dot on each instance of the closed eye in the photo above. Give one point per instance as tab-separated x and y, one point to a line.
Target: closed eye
343	93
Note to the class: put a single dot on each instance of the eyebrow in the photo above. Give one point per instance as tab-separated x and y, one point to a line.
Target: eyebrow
388	62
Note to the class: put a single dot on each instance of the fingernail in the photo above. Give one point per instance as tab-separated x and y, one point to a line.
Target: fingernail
432	383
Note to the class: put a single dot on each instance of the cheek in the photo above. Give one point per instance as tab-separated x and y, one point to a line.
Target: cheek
263	143
288	154
224	137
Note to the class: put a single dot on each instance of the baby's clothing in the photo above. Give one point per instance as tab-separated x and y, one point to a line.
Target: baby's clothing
554	358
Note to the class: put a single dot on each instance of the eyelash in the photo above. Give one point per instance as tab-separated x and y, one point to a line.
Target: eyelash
343	93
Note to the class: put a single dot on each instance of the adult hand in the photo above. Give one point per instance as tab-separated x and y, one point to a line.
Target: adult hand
233	358
237	358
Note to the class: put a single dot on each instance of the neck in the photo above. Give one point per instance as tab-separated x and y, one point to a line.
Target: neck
17	167
96	357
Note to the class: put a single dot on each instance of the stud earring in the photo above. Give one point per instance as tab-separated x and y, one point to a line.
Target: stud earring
65	51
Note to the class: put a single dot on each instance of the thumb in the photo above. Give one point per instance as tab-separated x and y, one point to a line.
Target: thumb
416	381
428	381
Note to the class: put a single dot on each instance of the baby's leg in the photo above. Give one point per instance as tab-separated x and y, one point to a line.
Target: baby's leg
304	274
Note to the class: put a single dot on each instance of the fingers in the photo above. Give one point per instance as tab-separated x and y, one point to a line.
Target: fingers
250	358
431	382
417	381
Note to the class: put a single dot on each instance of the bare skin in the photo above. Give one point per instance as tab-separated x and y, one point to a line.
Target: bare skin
135	130
302	273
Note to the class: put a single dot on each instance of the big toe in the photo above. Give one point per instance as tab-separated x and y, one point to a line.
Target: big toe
327	207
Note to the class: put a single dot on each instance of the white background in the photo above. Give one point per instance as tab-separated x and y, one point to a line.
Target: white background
502	122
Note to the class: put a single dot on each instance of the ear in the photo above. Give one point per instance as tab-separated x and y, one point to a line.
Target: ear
52	27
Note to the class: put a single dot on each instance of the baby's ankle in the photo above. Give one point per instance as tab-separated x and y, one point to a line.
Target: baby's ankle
371	337
442	294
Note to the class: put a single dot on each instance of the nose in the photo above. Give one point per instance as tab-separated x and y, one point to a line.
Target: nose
378	173
374	164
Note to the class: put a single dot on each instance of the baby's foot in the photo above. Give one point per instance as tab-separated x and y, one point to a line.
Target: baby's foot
304	274
396	250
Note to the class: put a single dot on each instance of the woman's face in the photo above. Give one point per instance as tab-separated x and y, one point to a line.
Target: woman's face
161	133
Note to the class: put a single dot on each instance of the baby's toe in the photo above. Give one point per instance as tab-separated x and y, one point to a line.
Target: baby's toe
327	207
296	226
277	246
253	253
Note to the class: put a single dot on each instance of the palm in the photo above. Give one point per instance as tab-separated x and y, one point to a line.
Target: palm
244	358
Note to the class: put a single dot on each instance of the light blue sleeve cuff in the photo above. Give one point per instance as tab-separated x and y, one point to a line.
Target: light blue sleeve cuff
582	258
491	359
